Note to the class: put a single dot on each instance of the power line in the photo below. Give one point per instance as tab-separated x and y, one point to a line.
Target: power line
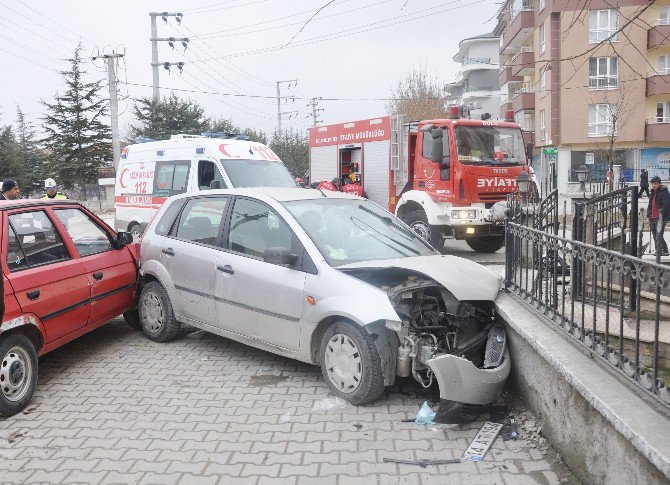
228	8
229	33
78	35
353	31
308	21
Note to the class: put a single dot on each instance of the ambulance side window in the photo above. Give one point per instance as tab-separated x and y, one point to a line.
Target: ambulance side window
170	178
208	172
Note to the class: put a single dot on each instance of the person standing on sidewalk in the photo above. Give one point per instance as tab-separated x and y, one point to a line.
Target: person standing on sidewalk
659	210
10	190
644	183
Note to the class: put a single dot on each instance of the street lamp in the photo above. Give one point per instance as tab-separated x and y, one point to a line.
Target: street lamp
523	182
582	176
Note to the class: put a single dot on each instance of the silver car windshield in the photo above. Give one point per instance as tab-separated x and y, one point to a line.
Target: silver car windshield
347	231
257	173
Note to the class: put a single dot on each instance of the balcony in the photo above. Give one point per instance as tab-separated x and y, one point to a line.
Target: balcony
519	31
659	34
523	63
506	76
523	99
480	92
658	82
657	130
470	64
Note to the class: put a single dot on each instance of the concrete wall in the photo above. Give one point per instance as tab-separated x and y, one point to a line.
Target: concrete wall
601	426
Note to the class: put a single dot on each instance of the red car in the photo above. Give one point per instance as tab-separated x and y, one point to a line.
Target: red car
65	273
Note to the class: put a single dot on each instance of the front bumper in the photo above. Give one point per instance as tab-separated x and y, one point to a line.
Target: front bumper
462	382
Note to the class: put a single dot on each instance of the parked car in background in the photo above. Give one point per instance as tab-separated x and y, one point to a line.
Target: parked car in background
149	173
330	279
65	273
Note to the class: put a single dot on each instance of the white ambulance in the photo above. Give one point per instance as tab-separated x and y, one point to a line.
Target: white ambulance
151	172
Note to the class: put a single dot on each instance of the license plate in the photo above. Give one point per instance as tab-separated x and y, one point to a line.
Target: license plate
482	442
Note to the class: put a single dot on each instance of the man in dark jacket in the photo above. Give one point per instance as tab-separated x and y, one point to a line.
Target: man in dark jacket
644	183
659	210
10	190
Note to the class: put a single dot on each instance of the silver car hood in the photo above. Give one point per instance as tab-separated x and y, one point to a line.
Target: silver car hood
465	279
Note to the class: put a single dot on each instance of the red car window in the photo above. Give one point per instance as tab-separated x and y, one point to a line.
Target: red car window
87	236
38	240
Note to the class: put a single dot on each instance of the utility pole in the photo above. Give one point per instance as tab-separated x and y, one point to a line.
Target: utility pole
113	104
314	103
154	46
279	111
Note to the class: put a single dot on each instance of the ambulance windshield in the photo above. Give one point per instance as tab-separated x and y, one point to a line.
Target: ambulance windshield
490	145
257	173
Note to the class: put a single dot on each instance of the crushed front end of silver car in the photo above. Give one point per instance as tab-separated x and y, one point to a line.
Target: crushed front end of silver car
458	344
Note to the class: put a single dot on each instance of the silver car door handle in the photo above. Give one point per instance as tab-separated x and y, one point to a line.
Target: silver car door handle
168	251
226	269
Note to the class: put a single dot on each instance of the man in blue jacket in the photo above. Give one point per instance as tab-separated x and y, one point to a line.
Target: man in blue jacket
659	209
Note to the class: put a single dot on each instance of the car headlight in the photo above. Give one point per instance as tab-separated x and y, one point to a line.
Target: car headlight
464	214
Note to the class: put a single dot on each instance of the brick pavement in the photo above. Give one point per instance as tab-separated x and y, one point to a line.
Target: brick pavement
114	407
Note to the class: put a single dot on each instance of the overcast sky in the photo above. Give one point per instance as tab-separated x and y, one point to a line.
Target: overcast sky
351	49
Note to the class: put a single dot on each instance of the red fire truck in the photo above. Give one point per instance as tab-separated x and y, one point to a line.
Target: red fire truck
441	177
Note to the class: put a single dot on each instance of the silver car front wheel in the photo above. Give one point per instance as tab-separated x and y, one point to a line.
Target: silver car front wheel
350	363
343	363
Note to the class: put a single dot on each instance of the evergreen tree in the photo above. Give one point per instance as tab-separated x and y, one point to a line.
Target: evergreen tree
10	156
78	141
293	149
169	116
30	154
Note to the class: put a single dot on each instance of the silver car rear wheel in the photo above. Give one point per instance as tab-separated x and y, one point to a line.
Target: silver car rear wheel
156	314
343	363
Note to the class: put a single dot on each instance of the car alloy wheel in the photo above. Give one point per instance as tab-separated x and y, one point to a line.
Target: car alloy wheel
15	374
152	312
343	363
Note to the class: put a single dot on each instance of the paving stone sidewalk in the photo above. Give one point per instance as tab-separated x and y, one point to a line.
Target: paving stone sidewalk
114	407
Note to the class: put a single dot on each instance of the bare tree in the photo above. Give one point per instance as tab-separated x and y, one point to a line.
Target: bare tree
419	97
617	107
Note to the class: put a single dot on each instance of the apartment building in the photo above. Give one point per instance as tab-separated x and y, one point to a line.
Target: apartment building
591	79
477	81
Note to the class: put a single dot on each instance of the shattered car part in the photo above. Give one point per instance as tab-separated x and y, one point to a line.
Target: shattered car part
423	463
454	341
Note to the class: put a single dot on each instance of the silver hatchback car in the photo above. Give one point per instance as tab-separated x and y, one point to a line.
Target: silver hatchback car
330	279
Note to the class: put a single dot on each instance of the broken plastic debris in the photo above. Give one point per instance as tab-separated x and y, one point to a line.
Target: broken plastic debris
285	418
205	358
126	351
329	403
425	414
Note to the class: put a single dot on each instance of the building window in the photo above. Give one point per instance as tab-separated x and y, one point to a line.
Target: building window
665	16
543	84
540	5
602	119
603	24
664	64
663	112
543	44
543	125
603	72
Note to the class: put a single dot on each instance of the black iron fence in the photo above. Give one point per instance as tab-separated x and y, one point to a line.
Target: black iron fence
608	301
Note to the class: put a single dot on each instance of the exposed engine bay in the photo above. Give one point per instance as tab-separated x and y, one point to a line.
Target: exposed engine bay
435	325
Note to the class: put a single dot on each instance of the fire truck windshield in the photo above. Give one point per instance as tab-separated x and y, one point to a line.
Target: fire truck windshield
257	173
490	145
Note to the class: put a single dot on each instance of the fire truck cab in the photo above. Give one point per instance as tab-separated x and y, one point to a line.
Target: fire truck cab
441	177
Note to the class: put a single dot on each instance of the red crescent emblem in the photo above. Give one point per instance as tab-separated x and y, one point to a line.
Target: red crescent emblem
123	172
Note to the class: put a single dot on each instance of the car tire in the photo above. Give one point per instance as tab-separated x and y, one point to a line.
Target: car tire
350	363
486	244
418	221
156	313
18	373
132	318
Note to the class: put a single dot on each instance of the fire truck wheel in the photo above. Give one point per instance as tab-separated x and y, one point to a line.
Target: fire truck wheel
486	244
418	221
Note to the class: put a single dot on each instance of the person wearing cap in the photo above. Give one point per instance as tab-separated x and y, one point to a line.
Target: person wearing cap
52	190
10	190
659	210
